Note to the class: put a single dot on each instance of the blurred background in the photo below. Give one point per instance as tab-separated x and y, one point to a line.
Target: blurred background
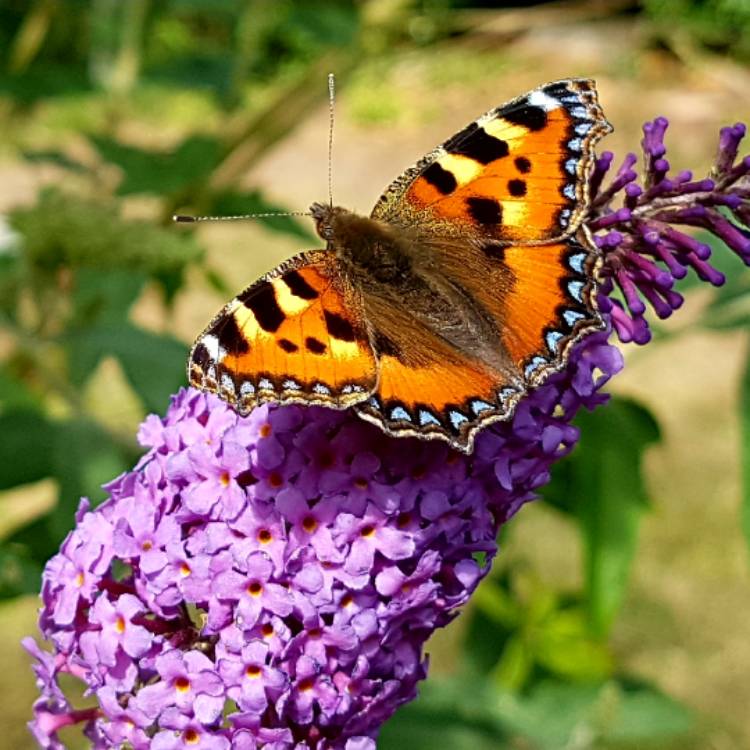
618	612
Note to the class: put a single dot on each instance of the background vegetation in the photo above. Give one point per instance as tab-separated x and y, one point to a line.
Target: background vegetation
616	614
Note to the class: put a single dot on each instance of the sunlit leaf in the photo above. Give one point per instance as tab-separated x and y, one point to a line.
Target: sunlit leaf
514	666
565	648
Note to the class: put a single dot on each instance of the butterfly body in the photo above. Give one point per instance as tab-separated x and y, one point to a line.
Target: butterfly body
388	267
433	316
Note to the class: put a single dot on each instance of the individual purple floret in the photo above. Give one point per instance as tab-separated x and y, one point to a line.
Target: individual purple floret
291	618
270	581
643	250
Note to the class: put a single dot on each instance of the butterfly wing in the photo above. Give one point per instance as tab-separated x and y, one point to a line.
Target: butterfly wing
517	174
498	209
542	297
297	335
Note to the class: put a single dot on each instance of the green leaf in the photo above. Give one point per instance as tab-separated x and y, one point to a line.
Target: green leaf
37	541
493	618
64	231
514	665
153	364
457	714
19	572
647	715
607	479
551	713
565	648
103	296
84	457
25	448
160	172
722	259
745	448
57	158
555	713
14	394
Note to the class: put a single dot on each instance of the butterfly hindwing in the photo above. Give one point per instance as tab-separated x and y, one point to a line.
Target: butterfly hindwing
296	335
517	174
542	297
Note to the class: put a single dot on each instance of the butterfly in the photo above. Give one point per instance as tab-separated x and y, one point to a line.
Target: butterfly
465	287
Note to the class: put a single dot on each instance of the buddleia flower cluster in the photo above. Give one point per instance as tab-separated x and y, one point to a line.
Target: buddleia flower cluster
270	581
645	240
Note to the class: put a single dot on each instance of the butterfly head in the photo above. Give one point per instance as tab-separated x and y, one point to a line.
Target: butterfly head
325	217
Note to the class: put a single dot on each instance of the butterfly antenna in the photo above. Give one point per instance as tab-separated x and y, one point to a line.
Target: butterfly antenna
331	101
187	219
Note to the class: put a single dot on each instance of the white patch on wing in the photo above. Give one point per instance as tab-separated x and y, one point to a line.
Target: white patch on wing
546	102
214	349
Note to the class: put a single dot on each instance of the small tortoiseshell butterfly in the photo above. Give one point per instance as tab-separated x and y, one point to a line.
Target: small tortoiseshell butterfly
465	287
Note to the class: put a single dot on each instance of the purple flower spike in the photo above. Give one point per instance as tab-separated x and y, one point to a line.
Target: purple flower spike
270	581
644	244
297	619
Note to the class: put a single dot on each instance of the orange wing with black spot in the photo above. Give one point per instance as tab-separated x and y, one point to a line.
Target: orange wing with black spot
297	335
517	174
542	297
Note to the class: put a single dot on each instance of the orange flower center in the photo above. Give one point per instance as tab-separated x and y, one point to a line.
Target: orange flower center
255	588
264	536
306	684
368	530
275	479
360	483
224	479
309	524
185	570
265	430
120	624
182	684
191	737
252	671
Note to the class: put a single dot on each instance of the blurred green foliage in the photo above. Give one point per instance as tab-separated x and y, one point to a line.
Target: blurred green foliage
718	25
536	669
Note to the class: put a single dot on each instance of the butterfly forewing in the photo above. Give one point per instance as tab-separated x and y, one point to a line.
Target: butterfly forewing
297	335
514	175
